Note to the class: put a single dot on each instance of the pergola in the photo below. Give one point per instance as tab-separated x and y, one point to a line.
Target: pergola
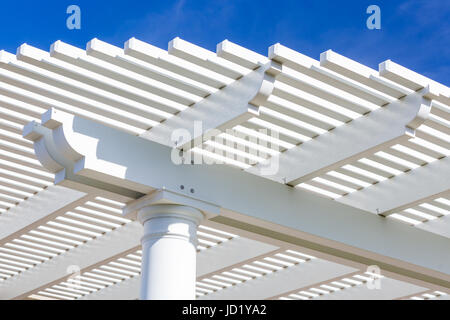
220	175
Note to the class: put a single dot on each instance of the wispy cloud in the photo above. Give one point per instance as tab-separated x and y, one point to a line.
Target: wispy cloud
428	27
414	33
199	24
425	12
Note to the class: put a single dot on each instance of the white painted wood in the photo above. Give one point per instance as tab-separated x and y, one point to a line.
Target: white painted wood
240	55
409	78
294	211
136	87
205	58
229	253
363	136
446	297
124	290
84	256
404	190
46	204
390	289
362	74
147	54
440	226
231	106
219	257
285	280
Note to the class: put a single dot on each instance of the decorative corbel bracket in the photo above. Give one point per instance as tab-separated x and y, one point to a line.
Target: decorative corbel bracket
90	157
62	150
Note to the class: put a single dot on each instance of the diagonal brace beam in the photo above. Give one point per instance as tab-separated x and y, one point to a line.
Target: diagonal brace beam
224	109
366	135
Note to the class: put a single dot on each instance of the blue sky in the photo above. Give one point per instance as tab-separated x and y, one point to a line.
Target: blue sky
414	33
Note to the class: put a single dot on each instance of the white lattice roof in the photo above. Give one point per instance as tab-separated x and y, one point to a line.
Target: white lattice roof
377	141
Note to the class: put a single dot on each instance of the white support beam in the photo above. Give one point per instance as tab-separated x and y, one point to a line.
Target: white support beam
235	251
363	136
404	190
285	244
99	250
169	253
254	201
38	209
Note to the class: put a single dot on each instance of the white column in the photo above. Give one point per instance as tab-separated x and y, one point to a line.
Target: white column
169	248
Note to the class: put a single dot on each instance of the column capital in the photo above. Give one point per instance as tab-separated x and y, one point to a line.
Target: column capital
176	211
179	204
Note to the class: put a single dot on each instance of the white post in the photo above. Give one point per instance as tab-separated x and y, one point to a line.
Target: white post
169	247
